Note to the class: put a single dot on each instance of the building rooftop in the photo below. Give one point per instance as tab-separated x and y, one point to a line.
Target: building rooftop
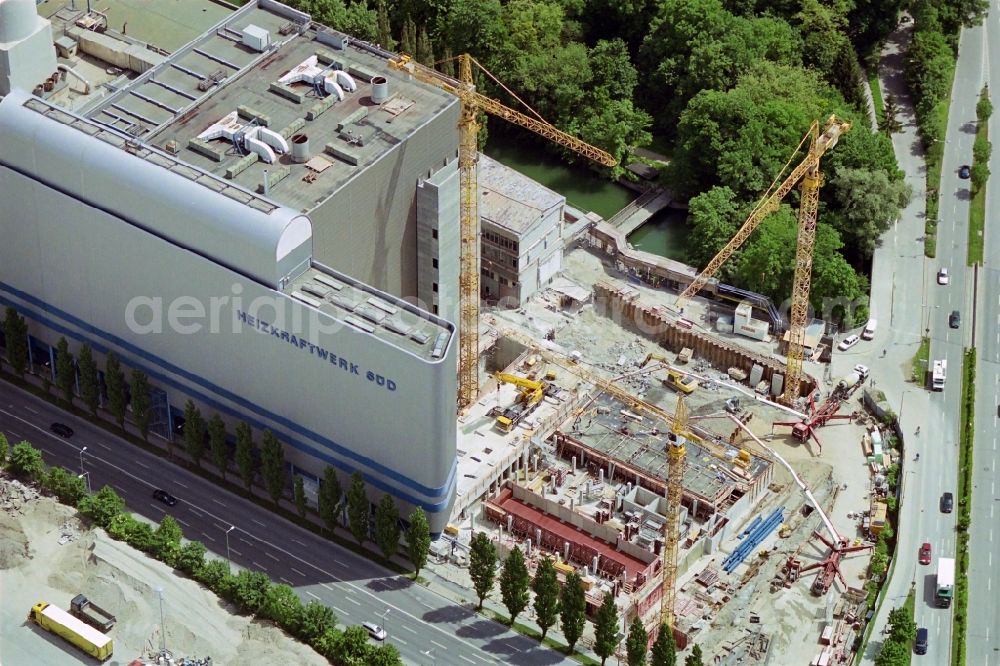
511	200
386	317
223	83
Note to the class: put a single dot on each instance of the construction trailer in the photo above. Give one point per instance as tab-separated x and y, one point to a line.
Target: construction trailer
59	622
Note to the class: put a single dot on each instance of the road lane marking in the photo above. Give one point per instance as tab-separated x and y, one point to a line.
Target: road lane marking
438	644
236	551
399	640
182	485
31	410
217	502
300	543
338	562
258	522
249	543
155	506
208	536
195	512
140	463
412	631
286	580
464	658
298	572
272	557
103	445
352	600
259	565
339	611
183	522
313	596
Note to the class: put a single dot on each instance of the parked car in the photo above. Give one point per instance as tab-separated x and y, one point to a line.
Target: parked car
862	370
164	497
943	276
925	554
375	631
848	342
964	171
61	429
920	645
954	319
947	503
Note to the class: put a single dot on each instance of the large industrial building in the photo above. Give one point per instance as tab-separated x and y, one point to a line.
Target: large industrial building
257	219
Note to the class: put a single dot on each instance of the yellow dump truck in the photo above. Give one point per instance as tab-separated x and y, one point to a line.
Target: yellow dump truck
61	623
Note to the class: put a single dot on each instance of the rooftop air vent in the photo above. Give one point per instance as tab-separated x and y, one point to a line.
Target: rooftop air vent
256	38
329	281
383	306
343	302
315	290
357	323
439	345
298	295
380	89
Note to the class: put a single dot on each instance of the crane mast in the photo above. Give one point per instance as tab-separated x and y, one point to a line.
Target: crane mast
671	529
808	173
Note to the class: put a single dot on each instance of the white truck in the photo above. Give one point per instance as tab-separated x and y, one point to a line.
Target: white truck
939	373
945	586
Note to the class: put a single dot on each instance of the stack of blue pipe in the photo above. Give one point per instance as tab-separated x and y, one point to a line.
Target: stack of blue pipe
751	527
759	533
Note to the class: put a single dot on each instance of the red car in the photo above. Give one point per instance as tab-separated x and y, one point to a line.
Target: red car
925	554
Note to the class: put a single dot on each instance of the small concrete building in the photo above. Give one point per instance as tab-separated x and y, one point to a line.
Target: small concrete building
521	241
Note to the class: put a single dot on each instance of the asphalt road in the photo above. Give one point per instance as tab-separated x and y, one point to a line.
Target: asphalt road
426	627
983	644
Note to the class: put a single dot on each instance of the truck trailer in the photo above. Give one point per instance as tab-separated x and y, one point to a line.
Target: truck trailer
945	585
86	610
939	374
59	622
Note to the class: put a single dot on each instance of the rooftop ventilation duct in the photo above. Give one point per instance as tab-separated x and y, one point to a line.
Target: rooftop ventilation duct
380	89
300	148
256	38
253	138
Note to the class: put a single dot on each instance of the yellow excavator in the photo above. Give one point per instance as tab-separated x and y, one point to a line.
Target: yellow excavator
675	379
530	394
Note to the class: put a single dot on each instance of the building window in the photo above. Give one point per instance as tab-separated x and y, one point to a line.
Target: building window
435	287
435	309
434	233
434	262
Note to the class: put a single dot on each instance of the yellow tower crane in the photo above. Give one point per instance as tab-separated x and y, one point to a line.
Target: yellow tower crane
676	452
468	154
808	173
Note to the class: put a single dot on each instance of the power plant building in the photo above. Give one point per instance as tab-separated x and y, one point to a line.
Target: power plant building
256	220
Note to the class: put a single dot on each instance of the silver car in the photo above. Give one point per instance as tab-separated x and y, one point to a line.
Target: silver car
375	631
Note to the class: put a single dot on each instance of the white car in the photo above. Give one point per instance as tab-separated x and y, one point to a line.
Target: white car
862	370
943	276
848	342
375	631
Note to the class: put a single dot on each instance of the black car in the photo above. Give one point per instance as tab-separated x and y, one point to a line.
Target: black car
964	171
920	645
947	503
954	319
61	429
164	497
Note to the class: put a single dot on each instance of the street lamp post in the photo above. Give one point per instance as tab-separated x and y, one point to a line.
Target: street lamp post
383	621
81	459
229	560
87	475
163	629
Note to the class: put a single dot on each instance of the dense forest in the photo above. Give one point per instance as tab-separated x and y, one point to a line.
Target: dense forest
727	88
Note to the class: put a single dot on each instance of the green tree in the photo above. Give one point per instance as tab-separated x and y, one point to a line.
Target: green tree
387	531
114	380
418	540
384	655
893	653
217	444
984	107
664	651
573	609
141	403
26	462
384	33
515	582
606	628
67	486
194	432
301	504
212	574
191	557
425	48
4	450
357	508
869	202
316	620
408	37
330	493
89	388
472	26
980	174
695	658
482	565
244	453
283	606
65	370
447	66
167	540
272	465
636	643
15	331
102	506
354	646
546	588
902	627
247	590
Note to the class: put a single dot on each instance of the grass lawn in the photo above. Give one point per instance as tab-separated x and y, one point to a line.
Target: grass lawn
877	97
921	360
935	152
977	210
965	437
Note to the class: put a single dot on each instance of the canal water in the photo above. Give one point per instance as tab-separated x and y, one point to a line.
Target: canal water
664	234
